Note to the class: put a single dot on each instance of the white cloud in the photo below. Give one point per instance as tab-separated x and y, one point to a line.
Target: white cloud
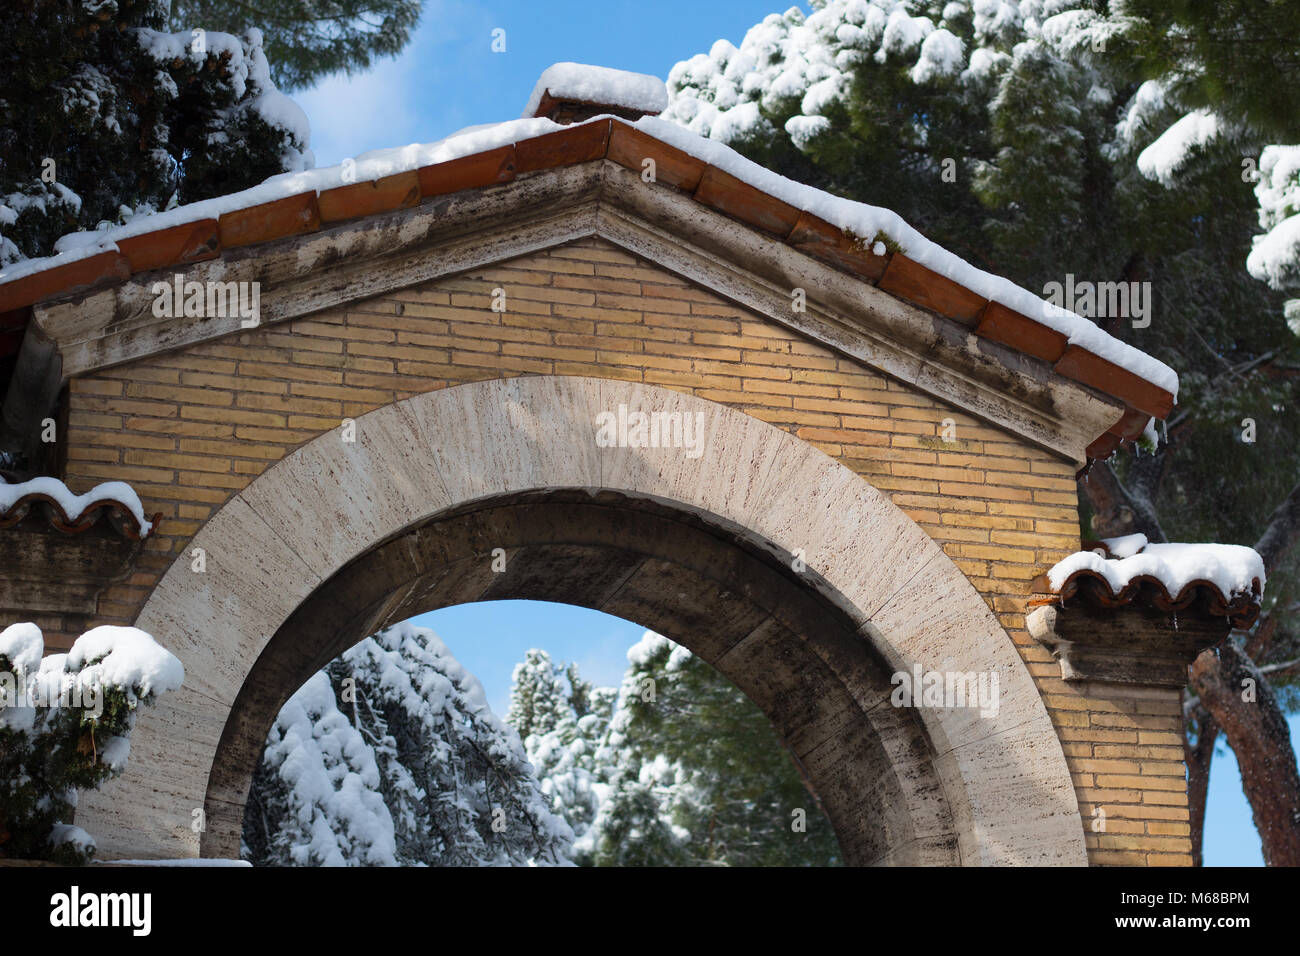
350	115
399	100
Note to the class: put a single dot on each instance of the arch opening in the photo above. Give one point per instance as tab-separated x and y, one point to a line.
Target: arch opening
796	656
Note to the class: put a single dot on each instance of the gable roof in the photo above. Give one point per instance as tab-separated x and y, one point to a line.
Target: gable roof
870	244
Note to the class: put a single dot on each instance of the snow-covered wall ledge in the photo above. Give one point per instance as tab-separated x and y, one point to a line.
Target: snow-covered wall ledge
73	513
1132	612
60	551
1227	578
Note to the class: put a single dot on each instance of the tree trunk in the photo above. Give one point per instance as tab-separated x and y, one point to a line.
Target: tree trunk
1115	511
1258	734
1283	531
1198	760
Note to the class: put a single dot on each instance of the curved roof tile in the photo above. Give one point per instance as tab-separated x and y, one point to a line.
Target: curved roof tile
1105	584
112	502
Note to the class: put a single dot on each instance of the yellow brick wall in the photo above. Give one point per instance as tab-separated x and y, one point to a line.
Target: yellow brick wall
191	428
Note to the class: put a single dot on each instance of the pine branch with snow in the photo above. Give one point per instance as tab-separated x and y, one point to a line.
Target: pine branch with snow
65	726
690	772
104	117
391	756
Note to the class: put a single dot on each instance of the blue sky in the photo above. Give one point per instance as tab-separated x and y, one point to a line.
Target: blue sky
449	78
491	637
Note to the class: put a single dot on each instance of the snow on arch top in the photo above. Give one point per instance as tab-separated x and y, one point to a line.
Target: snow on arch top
598	86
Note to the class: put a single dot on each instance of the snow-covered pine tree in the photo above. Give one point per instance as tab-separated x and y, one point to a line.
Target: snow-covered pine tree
481	802
103	117
565	727
316	798
392	756
65	725
538	700
307	40
697	776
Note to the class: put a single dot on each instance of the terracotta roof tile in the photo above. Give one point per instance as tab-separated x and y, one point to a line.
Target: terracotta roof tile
912	281
821	240
270	220
117	514
1089	369
78	274
1000	324
469	172
1199	596
735	197
1146	591
630	147
564	147
355	200
188	242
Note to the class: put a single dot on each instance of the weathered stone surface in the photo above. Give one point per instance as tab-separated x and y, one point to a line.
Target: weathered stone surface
218	619
151	808
1125	645
47	570
510	435
340	496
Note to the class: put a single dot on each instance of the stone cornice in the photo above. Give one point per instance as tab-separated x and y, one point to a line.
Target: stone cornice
1124	645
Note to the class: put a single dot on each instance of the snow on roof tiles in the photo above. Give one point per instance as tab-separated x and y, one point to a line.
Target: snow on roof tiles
1227	580
844	233
601	86
72	513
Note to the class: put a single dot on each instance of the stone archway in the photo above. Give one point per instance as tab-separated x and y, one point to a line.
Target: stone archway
392	523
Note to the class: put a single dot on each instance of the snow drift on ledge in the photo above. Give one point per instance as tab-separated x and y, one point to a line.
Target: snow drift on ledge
1236	571
74	507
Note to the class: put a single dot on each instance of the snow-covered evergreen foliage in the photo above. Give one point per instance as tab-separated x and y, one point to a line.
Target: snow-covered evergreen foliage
307	40
679	768
391	756
696	775
65	725
103	116
1039	104
563	720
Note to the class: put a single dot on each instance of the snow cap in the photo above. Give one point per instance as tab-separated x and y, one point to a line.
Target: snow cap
1231	568
76	509
1226	579
613	91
